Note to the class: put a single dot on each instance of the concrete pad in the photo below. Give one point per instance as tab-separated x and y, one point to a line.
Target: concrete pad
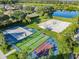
54	25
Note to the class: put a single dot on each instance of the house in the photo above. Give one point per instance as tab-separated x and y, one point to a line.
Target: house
33	18
9	7
18	7
33	15
9	12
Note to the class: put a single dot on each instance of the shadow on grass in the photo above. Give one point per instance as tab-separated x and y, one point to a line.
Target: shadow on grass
60	56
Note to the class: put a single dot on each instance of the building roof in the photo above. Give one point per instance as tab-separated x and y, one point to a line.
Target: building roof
32	15
9	7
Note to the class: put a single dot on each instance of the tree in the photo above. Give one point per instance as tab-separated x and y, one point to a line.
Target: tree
39	10
3	44
45	10
8	1
4	19
78	21
1	11
29	9
70	42
17	15
22	55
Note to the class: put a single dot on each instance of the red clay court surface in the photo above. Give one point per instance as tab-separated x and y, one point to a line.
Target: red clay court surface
43	46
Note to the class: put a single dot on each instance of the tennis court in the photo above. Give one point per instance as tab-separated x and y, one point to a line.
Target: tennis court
34	41
54	25
43	49
16	34
66	14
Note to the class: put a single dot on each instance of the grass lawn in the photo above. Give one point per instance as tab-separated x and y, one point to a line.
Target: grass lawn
2	47
35	4
13	56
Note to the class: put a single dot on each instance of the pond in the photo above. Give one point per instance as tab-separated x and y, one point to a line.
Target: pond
66	14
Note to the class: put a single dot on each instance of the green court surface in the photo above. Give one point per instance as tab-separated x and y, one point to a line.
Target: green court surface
28	39
38	43
32	42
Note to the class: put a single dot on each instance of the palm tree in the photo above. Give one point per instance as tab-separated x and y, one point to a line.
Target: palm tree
28	20
3	42
18	16
78	21
4	19
70	41
22	55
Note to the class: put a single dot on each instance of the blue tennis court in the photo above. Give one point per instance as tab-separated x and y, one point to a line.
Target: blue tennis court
66	14
15	34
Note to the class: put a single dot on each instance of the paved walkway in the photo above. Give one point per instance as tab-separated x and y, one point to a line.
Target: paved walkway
11	52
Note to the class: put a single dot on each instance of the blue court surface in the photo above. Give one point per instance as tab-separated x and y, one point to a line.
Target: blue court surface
15	34
66	14
43	49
